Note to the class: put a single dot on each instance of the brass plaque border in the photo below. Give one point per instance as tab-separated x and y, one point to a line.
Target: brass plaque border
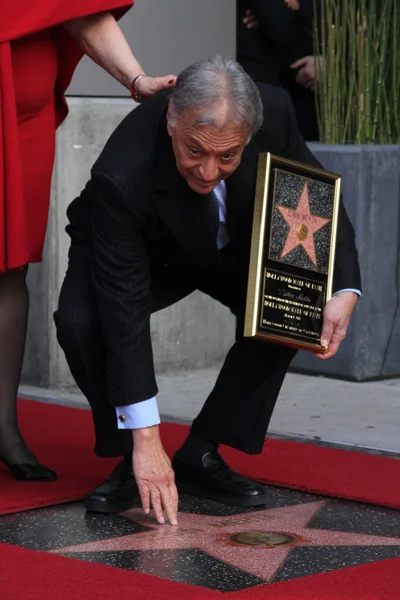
266	163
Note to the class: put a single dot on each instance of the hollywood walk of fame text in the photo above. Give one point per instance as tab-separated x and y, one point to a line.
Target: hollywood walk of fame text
292	305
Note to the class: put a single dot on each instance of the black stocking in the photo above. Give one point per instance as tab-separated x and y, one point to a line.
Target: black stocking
14	304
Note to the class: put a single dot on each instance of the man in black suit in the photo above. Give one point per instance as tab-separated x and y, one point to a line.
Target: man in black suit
278	48
168	210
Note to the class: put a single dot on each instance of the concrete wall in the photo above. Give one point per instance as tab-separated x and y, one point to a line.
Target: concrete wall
192	334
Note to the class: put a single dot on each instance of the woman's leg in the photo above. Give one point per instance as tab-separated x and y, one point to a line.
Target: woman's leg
14	305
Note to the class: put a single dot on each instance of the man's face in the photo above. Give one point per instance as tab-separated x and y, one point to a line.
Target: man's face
206	154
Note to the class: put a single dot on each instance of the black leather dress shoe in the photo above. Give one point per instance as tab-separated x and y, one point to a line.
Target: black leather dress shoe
117	493
215	480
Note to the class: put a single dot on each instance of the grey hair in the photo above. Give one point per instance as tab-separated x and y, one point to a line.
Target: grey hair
214	83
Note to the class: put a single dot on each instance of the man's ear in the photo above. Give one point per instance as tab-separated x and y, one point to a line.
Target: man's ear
169	118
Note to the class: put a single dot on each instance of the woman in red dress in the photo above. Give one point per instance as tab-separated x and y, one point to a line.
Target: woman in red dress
40	47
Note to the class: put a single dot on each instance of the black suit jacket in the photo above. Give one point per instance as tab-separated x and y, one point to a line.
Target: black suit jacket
283	36
138	214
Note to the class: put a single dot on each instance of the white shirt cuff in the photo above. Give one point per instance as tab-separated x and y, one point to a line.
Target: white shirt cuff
358	292
139	415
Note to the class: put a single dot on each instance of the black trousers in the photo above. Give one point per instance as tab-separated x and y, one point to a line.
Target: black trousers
237	411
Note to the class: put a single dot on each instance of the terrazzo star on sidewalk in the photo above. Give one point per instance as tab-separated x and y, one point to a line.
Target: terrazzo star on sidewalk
167	211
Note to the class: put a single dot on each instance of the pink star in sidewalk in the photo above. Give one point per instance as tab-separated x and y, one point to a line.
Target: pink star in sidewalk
302	226
218	537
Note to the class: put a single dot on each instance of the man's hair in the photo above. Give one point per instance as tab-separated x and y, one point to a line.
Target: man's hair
218	85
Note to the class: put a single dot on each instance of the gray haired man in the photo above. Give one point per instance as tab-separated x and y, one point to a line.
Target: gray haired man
168	210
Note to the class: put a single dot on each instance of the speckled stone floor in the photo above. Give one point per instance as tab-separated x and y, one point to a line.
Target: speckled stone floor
216	546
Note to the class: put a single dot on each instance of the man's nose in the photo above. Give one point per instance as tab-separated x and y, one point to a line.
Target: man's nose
209	169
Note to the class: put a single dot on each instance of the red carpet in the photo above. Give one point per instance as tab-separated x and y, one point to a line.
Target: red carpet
63	438
30	575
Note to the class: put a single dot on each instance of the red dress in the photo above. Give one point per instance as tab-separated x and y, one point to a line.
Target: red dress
37	61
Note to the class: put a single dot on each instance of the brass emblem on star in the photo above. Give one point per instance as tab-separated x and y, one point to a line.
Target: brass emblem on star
264	539
302	232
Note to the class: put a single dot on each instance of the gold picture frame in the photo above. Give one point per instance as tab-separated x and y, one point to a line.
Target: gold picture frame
292	255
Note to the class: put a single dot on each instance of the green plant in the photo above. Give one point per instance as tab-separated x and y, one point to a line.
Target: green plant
358	96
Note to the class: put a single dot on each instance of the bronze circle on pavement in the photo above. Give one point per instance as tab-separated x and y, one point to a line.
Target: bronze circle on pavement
264	539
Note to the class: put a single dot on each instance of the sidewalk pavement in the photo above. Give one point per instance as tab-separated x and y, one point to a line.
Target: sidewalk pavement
316	408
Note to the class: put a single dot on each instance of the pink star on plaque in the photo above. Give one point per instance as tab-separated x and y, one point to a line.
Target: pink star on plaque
302	226
257	543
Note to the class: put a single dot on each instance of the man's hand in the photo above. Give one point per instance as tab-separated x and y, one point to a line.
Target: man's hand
309	73
153	474
250	20
292	4
336	319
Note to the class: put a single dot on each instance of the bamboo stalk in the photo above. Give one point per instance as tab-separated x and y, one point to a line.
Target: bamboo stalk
360	71
358	96
382	62
349	28
395	70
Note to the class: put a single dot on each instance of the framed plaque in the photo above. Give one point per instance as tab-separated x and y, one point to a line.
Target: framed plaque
292	252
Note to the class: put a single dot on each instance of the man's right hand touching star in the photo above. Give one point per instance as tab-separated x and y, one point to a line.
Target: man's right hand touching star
154	475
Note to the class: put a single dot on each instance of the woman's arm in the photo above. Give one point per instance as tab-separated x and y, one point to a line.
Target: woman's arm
101	38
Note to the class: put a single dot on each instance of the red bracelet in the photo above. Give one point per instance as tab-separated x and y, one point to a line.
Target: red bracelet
135	95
